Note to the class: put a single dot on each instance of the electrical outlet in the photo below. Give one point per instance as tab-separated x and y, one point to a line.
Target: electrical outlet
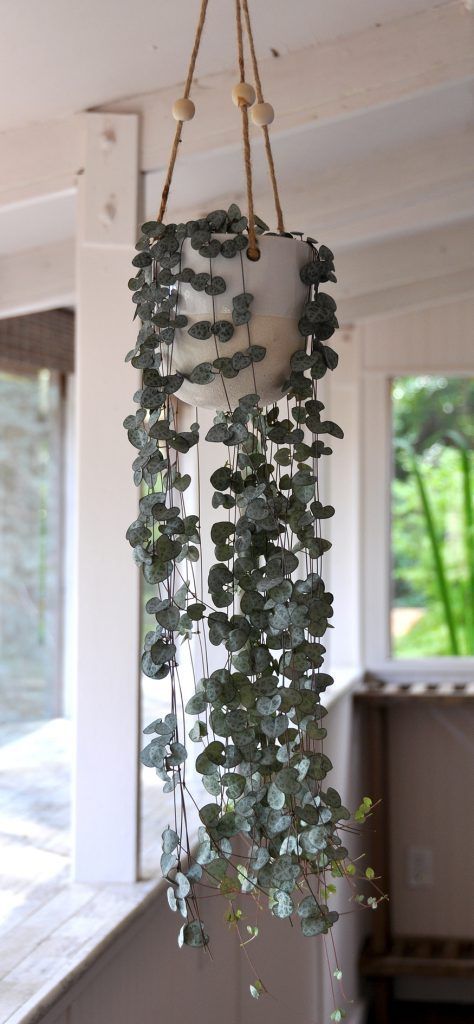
420	867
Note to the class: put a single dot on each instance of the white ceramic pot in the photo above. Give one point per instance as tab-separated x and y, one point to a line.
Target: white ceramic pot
278	299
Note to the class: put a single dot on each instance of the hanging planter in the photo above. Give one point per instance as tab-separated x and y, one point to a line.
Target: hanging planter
268	295
234	318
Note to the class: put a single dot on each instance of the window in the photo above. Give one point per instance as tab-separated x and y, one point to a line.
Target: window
417	448
432	516
30	554
36	357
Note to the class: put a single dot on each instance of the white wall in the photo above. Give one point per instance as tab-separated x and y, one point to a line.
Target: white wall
430	757
431	754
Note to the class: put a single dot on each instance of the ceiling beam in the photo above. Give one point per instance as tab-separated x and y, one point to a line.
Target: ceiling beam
37	279
360	72
391	192
423	269
376	279
435	291
41	159
350	75
423	255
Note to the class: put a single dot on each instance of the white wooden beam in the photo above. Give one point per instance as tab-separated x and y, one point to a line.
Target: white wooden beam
107	689
409	272
446	249
406	272
435	291
343	403
390	192
37	279
349	75
346	76
41	159
399	192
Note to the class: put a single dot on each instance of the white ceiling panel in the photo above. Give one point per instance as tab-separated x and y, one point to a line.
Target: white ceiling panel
315	161
62	56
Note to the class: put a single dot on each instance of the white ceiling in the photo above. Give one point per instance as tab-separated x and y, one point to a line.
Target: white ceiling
44	221
62	56
310	159
349	180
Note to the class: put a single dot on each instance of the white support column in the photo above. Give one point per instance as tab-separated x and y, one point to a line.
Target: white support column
107	692
344	468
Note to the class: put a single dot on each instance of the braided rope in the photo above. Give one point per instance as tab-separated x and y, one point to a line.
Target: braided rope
179	126
253	252
266	134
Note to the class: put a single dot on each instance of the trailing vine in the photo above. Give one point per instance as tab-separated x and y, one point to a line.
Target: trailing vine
271	828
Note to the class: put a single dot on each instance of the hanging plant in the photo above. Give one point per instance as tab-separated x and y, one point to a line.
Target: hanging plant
235	318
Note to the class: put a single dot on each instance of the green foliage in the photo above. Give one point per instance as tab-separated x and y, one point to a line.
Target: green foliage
256	989
257	718
432	514
363	809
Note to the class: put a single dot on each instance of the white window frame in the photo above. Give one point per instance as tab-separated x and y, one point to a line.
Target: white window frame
436	340
106	692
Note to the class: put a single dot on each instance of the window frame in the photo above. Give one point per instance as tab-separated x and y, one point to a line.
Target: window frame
396	347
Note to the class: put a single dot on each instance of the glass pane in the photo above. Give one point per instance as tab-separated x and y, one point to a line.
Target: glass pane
432	535
30	509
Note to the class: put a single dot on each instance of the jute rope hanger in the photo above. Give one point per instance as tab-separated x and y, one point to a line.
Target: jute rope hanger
179	126
253	251
184	110
266	134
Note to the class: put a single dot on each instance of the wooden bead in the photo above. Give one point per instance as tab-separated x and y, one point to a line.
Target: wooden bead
243	94
183	110
262	113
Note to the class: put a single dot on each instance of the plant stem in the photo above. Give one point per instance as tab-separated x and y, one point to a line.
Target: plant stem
441	577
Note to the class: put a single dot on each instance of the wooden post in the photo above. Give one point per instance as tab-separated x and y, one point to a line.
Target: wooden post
105	795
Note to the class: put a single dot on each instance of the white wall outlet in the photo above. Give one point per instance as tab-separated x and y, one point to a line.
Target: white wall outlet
420	867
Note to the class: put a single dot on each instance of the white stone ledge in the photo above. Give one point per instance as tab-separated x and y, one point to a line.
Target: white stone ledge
132	902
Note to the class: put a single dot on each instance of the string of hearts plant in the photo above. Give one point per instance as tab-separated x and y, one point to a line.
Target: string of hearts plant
232	318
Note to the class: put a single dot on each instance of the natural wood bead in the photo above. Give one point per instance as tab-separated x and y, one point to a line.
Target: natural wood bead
243	94
262	113
183	110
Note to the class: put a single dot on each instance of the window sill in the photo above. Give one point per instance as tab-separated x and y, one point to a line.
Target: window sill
457	669
63	955
60	941
50	928
346	679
